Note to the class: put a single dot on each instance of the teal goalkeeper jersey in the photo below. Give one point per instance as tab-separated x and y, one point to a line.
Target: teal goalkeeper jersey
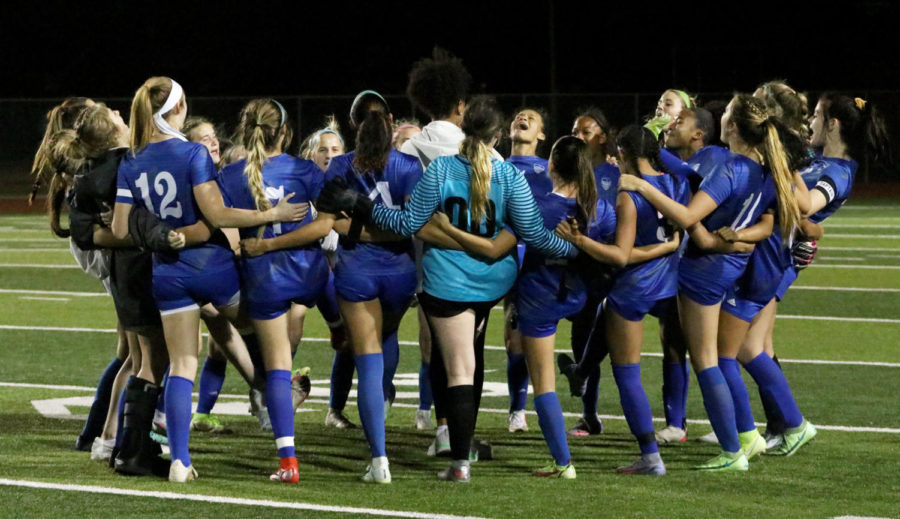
457	275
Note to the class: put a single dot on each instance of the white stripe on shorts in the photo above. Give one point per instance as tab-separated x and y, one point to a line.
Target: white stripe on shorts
192	306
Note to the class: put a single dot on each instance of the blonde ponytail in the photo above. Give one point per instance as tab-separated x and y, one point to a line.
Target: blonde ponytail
256	159
777	159
141	119
479	156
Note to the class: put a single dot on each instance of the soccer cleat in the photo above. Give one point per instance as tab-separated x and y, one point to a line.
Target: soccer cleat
378	471
336	419
84	444
158	431
671	434
102	449
259	410
586	427
423	419
458	471
301	386
556	471
517	421
794	440
752	443
567	367
773	440
709	438
178	473
643	467
441	444
726	462
205	422
288	472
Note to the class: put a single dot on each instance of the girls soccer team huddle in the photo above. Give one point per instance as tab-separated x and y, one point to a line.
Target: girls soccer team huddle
653	219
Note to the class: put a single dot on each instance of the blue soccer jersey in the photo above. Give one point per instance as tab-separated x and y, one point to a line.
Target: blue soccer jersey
737	185
536	171
161	178
286	275
389	188
550	289
606	176
833	177
704	160
657	278
456	275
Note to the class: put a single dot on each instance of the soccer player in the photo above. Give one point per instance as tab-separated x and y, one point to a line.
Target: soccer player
732	195
526	133
478	194
375	276
282	267
643	286
176	180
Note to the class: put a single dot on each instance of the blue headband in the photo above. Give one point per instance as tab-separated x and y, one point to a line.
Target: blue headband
283	113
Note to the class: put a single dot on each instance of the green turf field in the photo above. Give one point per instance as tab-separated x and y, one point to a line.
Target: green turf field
55	338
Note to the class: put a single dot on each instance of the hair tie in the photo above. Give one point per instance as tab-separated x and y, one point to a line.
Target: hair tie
860	102
174	98
283	113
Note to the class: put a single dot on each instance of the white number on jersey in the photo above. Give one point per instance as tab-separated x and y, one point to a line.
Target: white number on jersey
747	209
167	192
275	196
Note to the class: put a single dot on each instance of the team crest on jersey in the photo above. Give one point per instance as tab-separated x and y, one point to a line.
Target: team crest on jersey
538	168
605	183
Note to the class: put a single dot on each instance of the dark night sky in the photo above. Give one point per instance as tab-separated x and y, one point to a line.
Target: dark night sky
251	48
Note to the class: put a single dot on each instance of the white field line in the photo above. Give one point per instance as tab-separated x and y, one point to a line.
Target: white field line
861	225
851	235
41	249
487	347
885	256
844	289
351	401
842	319
35	240
38	266
873	207
52	293
41	298
262	503
870	267
864	249
842	258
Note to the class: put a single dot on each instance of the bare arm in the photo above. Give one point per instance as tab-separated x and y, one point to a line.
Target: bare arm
804	202
209	199
626	228
684	216
119	224
433	234
812	231
649	252
196	233
756	233
713	242
488	247
369	233
296	238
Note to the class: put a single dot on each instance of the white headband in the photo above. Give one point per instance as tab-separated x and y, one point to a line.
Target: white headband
174	98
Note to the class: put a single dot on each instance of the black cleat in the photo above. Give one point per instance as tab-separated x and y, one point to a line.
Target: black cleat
567	366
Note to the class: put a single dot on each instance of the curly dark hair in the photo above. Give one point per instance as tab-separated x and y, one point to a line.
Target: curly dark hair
437	84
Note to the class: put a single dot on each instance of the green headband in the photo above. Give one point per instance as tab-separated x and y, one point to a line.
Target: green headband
685	98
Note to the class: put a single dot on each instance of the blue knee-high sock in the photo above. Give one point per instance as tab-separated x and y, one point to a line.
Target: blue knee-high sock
743	416
120	422
517	380
390	348
212	376
341	379
635	405
592	393
93	426
281	410
161	401
675	384
719	407
773	384
370	398
426	398
178	417
553	427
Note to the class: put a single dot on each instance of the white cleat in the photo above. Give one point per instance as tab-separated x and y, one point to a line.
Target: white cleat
517	421
423	419
671	434
378	472
178	473
102	449
709	438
